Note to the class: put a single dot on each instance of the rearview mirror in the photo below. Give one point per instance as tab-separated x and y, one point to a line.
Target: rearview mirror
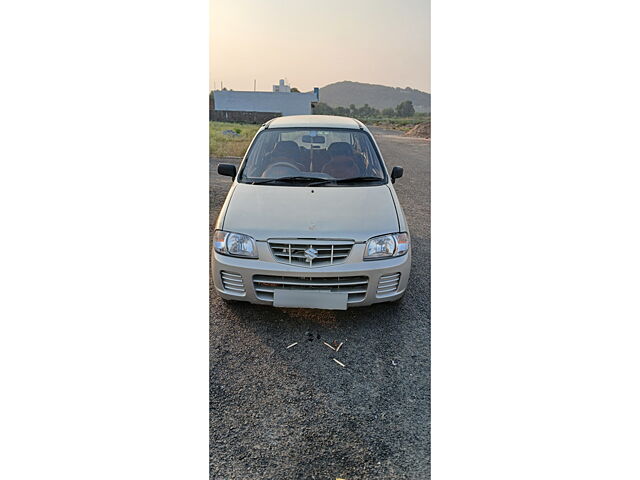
227	169
396	173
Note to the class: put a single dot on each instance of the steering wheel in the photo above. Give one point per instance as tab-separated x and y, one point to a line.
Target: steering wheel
281	164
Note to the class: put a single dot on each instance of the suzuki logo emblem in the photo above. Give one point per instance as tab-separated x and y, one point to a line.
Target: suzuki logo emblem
310	254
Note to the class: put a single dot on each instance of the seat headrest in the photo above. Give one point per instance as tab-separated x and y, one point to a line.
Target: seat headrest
340	148
286	147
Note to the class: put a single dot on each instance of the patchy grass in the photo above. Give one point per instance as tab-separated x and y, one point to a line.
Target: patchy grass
221	145
396	123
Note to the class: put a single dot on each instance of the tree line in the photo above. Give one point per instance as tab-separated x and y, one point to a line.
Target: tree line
404	109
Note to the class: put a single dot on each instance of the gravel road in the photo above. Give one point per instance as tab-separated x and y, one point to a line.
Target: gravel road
278	413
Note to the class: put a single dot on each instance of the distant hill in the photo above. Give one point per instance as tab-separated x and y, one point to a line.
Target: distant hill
343	94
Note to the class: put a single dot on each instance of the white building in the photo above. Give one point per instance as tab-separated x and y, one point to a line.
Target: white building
281	100
281	87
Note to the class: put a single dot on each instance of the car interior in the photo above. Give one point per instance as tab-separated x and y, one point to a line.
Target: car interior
338	160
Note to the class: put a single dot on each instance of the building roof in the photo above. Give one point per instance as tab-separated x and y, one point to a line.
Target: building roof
314	121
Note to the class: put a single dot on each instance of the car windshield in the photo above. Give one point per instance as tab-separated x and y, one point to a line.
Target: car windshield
304	156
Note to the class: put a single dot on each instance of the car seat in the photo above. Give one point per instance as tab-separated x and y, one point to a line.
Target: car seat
284	151
286	148
319	159
340	148
342	166
304	159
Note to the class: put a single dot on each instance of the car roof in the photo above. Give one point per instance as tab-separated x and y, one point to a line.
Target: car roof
314	121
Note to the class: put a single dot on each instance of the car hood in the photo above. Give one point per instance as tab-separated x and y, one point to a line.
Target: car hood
266	211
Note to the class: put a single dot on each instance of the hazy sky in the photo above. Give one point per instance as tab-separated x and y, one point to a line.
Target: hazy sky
312	44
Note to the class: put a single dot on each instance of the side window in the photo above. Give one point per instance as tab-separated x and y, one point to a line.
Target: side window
373	164
290	136
357	145
362	153
259	153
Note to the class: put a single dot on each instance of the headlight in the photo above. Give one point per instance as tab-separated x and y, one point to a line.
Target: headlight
386	246
234	244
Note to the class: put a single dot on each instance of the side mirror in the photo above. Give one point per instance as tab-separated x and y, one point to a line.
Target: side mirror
396	173
227	169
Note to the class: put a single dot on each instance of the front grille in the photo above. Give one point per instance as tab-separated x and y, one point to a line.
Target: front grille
388	284
355	287
310	253
232	282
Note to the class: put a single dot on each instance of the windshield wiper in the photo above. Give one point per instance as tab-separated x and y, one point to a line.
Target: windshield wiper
346	180
359	179
316	181
297	178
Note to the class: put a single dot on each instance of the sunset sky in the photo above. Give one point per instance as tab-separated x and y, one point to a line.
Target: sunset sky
312	44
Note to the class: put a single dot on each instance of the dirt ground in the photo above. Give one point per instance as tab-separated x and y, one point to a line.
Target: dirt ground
421	130
278	413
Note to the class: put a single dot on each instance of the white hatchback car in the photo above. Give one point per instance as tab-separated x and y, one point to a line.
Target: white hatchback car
312	219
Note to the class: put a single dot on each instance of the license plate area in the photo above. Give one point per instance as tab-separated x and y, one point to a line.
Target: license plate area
291	298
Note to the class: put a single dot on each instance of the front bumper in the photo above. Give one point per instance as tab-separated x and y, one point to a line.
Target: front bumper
372	277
